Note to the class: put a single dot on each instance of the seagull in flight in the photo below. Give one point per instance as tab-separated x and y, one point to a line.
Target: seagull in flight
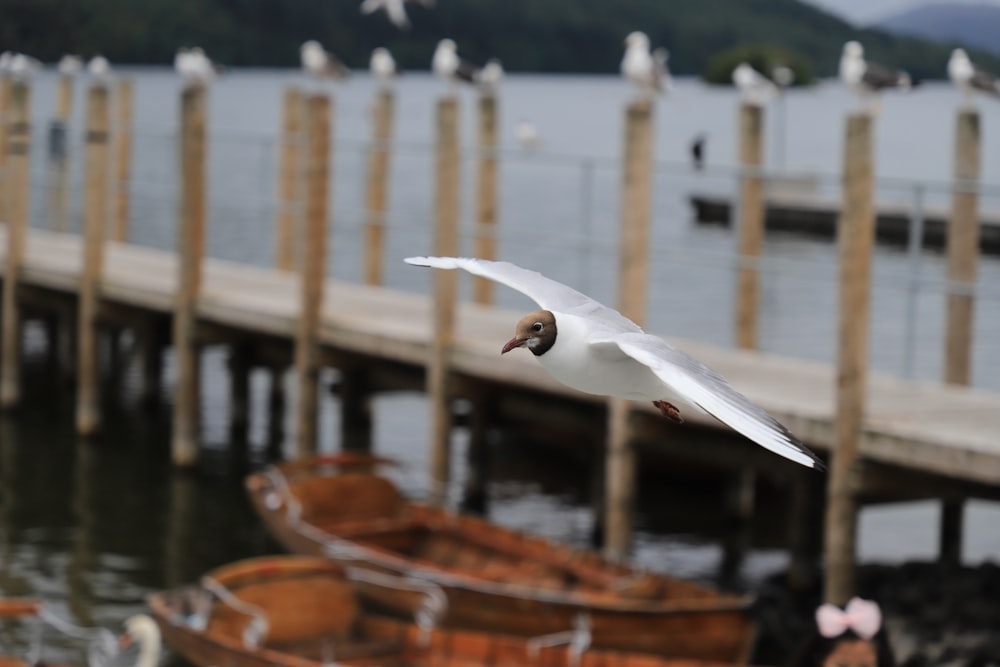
319	63
394	9
597	350
970	79
866	78
755	88
447	65
646	70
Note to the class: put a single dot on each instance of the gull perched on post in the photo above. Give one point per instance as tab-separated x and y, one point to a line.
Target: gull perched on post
23	67
382	66
866	78
394	9
491	75
646	70
99	70
194	65
447	65
970	79
319	63
755	88
597	350
69	65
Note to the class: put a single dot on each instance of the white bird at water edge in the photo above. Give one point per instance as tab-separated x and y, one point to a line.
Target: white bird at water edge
597	350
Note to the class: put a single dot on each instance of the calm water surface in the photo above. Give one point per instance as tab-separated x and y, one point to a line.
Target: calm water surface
93	528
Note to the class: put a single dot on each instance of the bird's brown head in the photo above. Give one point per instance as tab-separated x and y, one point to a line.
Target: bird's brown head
535	331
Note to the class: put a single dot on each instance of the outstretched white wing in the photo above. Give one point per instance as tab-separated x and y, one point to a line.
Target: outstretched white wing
547	293
713	393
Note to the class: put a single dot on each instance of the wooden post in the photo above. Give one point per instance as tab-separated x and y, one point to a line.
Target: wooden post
16	190
805	531
474	496
5	119
318	112
59	155
190	250
378	177
123	161
240	365
276	409
856	236
486	194
963	249
289	211
633	281
95	216
355	409
446	207
152	339
751	225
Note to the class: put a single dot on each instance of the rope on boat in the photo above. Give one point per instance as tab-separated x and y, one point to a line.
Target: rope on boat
578	640
256	630
282	495
428	613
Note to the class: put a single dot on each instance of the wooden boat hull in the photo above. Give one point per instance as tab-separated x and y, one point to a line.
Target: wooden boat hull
495	579
298	595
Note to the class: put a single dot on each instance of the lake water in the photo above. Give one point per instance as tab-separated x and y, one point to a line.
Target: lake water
92	528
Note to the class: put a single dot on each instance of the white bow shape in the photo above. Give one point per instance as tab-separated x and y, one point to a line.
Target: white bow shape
862	616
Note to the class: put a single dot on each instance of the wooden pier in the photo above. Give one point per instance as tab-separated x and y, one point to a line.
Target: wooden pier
895	439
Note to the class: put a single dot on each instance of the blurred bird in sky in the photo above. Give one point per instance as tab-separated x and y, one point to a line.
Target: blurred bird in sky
447	65
319	63
646	70
868	79
754	87
969	79
394	9
382	66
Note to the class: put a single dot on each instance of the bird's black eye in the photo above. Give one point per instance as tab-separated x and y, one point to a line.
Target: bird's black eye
536	327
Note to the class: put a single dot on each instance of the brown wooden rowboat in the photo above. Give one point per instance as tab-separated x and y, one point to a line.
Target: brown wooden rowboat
301	611
495	579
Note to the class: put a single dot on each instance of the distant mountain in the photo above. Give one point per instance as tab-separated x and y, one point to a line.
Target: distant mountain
974	25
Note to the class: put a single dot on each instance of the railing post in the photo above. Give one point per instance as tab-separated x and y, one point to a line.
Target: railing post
59	141
313	271
17	120
633	283
446	207
190	250
95	220
856	235
377	193
486	193
289	211
123	161
751	225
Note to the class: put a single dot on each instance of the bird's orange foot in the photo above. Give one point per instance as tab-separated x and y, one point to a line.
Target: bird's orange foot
670	411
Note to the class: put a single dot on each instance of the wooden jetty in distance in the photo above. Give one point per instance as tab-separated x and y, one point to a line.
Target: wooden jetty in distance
895	439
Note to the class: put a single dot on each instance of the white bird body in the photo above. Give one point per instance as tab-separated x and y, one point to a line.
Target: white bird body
23	67
144	632
646	70
382	65
194	66
754	87
447	65
5	58
99	69
968	78
69	65
491	75
527	135
319	63
865	78
394	9
597	350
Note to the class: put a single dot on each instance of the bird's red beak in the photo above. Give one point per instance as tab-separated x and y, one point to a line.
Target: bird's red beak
124	641
512	343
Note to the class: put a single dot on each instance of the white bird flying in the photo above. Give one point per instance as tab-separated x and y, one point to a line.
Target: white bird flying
319	63
394	9
491	75
194	65
447	65
646	70
867	79
597	350
69	65
969	79
755	88
382	66
527	135
99	69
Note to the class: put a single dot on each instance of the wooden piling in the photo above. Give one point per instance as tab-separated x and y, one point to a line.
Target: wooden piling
123	161
856	236
318	112
377	190
486	194
190	250
16	190
355	409
59	193
95	216
5	118
633	274
446	207
239	364
963	249
289	189
152	339
751	225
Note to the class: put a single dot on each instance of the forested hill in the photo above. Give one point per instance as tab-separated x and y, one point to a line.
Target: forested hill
527	35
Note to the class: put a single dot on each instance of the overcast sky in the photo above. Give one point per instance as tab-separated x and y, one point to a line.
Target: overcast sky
867	11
